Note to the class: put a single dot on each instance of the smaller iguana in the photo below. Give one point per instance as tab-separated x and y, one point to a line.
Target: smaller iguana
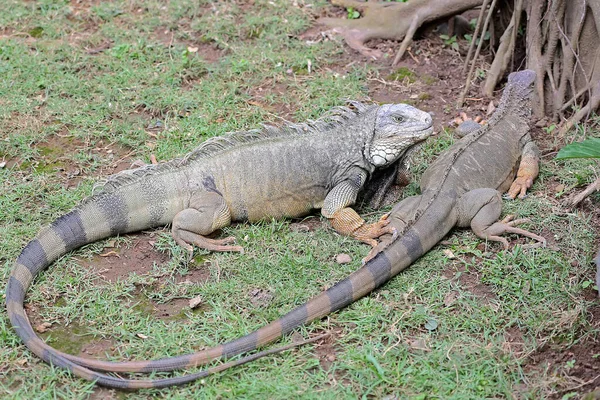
268	173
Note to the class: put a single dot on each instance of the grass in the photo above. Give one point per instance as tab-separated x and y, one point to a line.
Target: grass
87	87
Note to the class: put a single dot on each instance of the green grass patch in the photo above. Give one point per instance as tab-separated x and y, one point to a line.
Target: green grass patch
88	88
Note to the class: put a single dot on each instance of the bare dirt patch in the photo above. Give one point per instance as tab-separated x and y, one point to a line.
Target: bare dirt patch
116	263
326	352
260	297
470	281
172	309
101	393
55	156
514	342
576	368
308	224
98	349
269	96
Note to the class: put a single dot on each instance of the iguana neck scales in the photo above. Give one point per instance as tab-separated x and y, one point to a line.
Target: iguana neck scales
267	173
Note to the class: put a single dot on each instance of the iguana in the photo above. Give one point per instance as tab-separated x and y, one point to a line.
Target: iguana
266	173
461	188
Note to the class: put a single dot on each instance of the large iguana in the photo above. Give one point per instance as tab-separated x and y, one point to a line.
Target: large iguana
267	173
461	188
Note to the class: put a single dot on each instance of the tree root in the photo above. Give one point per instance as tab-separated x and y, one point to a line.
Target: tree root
391	20
505	51
563	48
562	44
595	186
461	99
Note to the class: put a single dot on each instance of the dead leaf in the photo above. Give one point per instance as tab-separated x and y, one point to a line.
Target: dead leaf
449	254
419	344
490	108
260	297
195	302
43	327
192	49
141	336
526	288
559	188
343	258
298	227
297	338
450	298
110	253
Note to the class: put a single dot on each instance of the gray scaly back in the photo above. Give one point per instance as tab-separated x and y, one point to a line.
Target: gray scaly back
334	118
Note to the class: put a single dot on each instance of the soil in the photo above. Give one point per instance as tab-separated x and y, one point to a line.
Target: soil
118	263
469	280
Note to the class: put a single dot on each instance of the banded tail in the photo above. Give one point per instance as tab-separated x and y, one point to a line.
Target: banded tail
69	233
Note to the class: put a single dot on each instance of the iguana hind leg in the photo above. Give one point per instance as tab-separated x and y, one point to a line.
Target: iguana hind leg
207	213
481	208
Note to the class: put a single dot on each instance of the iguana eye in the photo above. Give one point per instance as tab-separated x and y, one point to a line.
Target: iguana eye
397	118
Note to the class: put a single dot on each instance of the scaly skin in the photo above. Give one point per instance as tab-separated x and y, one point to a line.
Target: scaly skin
458	189
461	188
273	173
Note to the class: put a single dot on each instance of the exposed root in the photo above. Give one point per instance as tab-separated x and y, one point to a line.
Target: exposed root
586	193
562	44
391	20
407	40
563	48
461	99
475	34
505	51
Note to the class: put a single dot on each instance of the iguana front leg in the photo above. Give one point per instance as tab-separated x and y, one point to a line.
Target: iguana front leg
206	213
528	170
347	221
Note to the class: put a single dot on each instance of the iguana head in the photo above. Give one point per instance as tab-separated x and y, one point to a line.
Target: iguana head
397	128
519	91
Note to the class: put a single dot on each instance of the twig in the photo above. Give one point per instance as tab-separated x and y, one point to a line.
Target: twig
578	386
475	34
461	100
588	191
416	22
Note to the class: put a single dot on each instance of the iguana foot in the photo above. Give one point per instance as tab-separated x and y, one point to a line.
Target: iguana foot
347	222
507	225
465	125
528	171
186	239
367	233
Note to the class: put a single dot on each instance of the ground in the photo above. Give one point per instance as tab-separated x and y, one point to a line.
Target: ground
95	86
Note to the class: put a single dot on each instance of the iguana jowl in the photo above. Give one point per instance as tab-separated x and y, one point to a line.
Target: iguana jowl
268	173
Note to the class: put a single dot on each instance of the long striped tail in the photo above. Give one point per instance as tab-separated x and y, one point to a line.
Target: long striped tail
372	275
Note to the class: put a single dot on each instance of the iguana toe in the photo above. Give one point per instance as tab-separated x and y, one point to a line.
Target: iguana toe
186	239
465	125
